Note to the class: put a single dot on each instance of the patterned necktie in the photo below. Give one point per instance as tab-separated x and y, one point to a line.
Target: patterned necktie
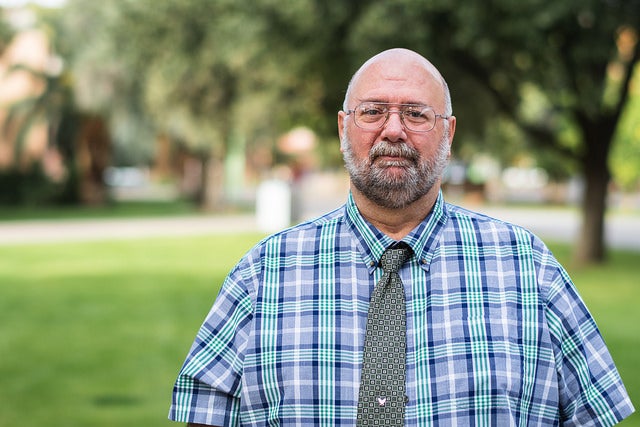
382	382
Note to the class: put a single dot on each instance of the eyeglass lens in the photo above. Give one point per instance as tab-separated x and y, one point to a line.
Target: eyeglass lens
418	118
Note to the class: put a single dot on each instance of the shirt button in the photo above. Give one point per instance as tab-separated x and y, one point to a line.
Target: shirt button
406	399
372	263
423	260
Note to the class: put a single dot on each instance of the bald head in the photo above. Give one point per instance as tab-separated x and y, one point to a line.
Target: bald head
397	64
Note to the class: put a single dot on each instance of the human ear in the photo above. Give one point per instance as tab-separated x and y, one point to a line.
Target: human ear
341	123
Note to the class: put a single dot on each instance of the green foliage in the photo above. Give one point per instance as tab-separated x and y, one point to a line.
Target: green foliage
565	62
203	70
95	333
28	187
6	32
537	77
625	158
54	108
502	46
105	83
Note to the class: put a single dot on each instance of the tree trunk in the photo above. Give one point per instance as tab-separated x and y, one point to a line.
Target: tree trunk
94	156
590	247
211	194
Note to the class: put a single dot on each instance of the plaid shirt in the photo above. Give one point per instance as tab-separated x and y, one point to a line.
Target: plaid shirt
496	332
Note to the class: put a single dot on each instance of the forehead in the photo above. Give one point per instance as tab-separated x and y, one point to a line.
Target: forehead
399	80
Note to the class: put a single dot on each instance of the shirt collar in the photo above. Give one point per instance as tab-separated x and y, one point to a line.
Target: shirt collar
423	239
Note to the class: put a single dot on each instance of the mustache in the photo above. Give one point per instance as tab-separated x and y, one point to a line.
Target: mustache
402	150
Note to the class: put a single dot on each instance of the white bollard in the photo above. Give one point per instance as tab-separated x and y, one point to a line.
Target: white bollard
273	205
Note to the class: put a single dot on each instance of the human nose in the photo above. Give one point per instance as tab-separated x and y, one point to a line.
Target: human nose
394	127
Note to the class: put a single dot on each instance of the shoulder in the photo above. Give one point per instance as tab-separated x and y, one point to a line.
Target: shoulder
467	225
300	238
507	241
302	233
460	217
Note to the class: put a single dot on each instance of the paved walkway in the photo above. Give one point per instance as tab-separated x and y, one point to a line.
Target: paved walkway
622	231
54	231
563	225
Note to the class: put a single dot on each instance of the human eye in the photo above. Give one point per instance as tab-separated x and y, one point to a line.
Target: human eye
417	113
371	113
373	110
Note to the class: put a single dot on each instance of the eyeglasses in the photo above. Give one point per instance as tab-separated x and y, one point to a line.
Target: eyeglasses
414	117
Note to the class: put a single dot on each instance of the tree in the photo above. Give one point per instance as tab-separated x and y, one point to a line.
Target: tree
213	73
53	106
210	75
168	65
625	161
577	54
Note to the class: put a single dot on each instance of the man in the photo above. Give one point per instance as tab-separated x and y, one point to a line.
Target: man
493	331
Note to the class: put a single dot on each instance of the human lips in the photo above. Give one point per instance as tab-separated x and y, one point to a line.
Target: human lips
392	160
393	155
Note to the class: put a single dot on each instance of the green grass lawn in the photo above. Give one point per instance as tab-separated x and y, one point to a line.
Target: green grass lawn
120	209
93	334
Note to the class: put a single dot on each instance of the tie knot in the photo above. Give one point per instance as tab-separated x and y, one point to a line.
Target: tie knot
393	258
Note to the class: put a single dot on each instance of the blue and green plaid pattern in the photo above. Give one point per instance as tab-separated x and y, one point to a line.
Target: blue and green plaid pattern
496	332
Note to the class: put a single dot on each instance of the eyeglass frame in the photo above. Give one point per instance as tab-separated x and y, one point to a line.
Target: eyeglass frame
400	112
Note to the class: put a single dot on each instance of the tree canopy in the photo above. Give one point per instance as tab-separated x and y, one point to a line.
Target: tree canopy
550	78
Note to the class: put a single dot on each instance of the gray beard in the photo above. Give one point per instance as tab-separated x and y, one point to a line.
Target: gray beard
395	191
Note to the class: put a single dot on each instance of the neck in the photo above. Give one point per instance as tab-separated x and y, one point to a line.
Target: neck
396	223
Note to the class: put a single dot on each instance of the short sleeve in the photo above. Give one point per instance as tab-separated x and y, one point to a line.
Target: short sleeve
208	387
591	391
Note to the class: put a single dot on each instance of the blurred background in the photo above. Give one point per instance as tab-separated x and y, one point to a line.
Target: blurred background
205	101
226	110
